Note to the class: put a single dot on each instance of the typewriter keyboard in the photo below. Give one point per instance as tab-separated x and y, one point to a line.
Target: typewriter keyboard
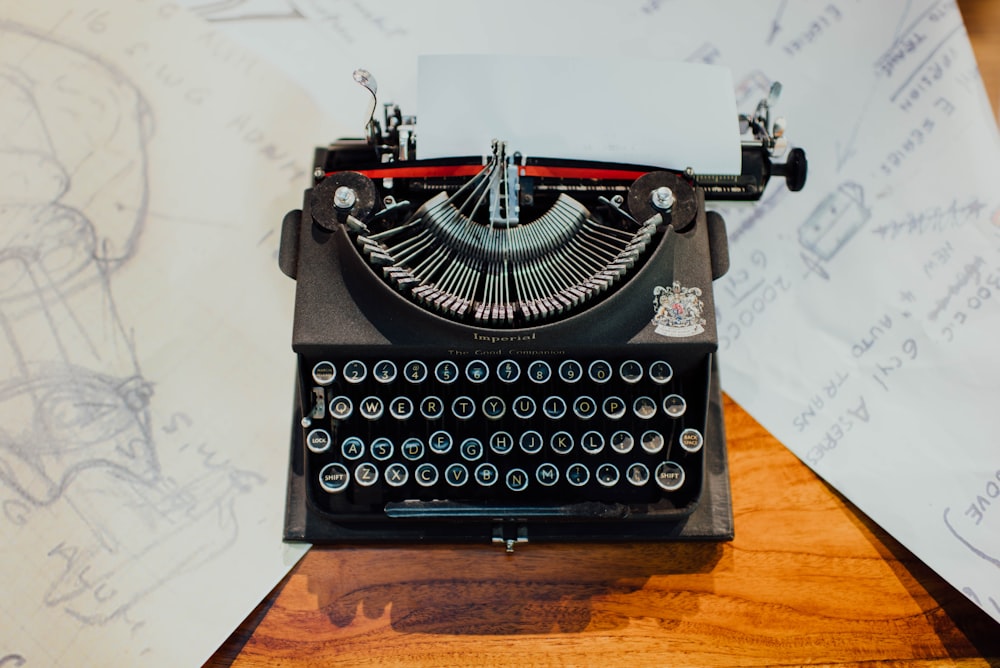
503	432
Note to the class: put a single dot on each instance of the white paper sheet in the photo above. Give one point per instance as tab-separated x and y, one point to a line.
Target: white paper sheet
859	318
546	107
145	367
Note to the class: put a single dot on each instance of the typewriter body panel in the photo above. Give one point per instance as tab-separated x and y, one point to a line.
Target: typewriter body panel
505	348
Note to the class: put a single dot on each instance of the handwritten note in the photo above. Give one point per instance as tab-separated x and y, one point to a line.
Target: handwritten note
859	318
145	164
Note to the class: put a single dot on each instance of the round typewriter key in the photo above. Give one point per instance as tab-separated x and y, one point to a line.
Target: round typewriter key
324	373
501	442
352	448
415	371
652	441
334	478
412	449
691	440
531	442
446	372
366	474
463	408
592	442
440	442
318	440
381	448
622	442
426	475
570	371
637	474
584	408
599	371
384	371
669	476
613	408
486	474
644	408
630	371
396	474
674	405
577	474
401	408
431	407
547	474
539	372
494	407
660	372
508	371
477	371
607	475
561	443
355	371
554	407
456	474
524	407
517	480
471	449
341	408
371	408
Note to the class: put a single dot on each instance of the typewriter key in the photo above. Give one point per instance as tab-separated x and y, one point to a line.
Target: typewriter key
637	474
334	478
412	448
486	474
324	373
577	474
440	442
415	371
652	441
547	474
622	442
669	476
318	440
384	371
592	442
396	474
607	475
508	371
501	442
674	405
630	371
561	443
691	440
426	475
660	372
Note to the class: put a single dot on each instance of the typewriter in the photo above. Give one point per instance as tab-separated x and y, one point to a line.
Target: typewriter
507	348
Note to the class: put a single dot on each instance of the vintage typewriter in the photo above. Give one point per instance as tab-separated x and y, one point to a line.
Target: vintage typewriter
509	347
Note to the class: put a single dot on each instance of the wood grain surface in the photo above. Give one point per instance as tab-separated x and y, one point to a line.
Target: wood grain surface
808	580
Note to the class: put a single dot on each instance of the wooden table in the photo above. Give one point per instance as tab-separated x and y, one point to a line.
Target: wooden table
807	580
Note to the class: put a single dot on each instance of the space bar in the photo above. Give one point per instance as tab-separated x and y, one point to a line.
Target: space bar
451	509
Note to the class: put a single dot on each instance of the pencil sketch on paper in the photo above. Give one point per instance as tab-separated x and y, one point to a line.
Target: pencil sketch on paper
77	434
342	17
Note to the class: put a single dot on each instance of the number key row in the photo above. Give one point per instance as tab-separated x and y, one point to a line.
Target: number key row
508	371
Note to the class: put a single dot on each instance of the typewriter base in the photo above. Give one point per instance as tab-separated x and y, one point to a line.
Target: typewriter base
712	519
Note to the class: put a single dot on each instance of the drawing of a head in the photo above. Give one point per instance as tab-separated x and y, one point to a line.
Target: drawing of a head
73	135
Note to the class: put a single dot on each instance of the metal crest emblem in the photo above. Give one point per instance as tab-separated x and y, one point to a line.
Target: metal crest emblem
677	311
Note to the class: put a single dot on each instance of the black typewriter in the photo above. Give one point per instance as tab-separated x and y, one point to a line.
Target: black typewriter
509	347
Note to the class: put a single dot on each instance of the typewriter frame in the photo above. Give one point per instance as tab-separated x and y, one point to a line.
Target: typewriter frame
342	307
